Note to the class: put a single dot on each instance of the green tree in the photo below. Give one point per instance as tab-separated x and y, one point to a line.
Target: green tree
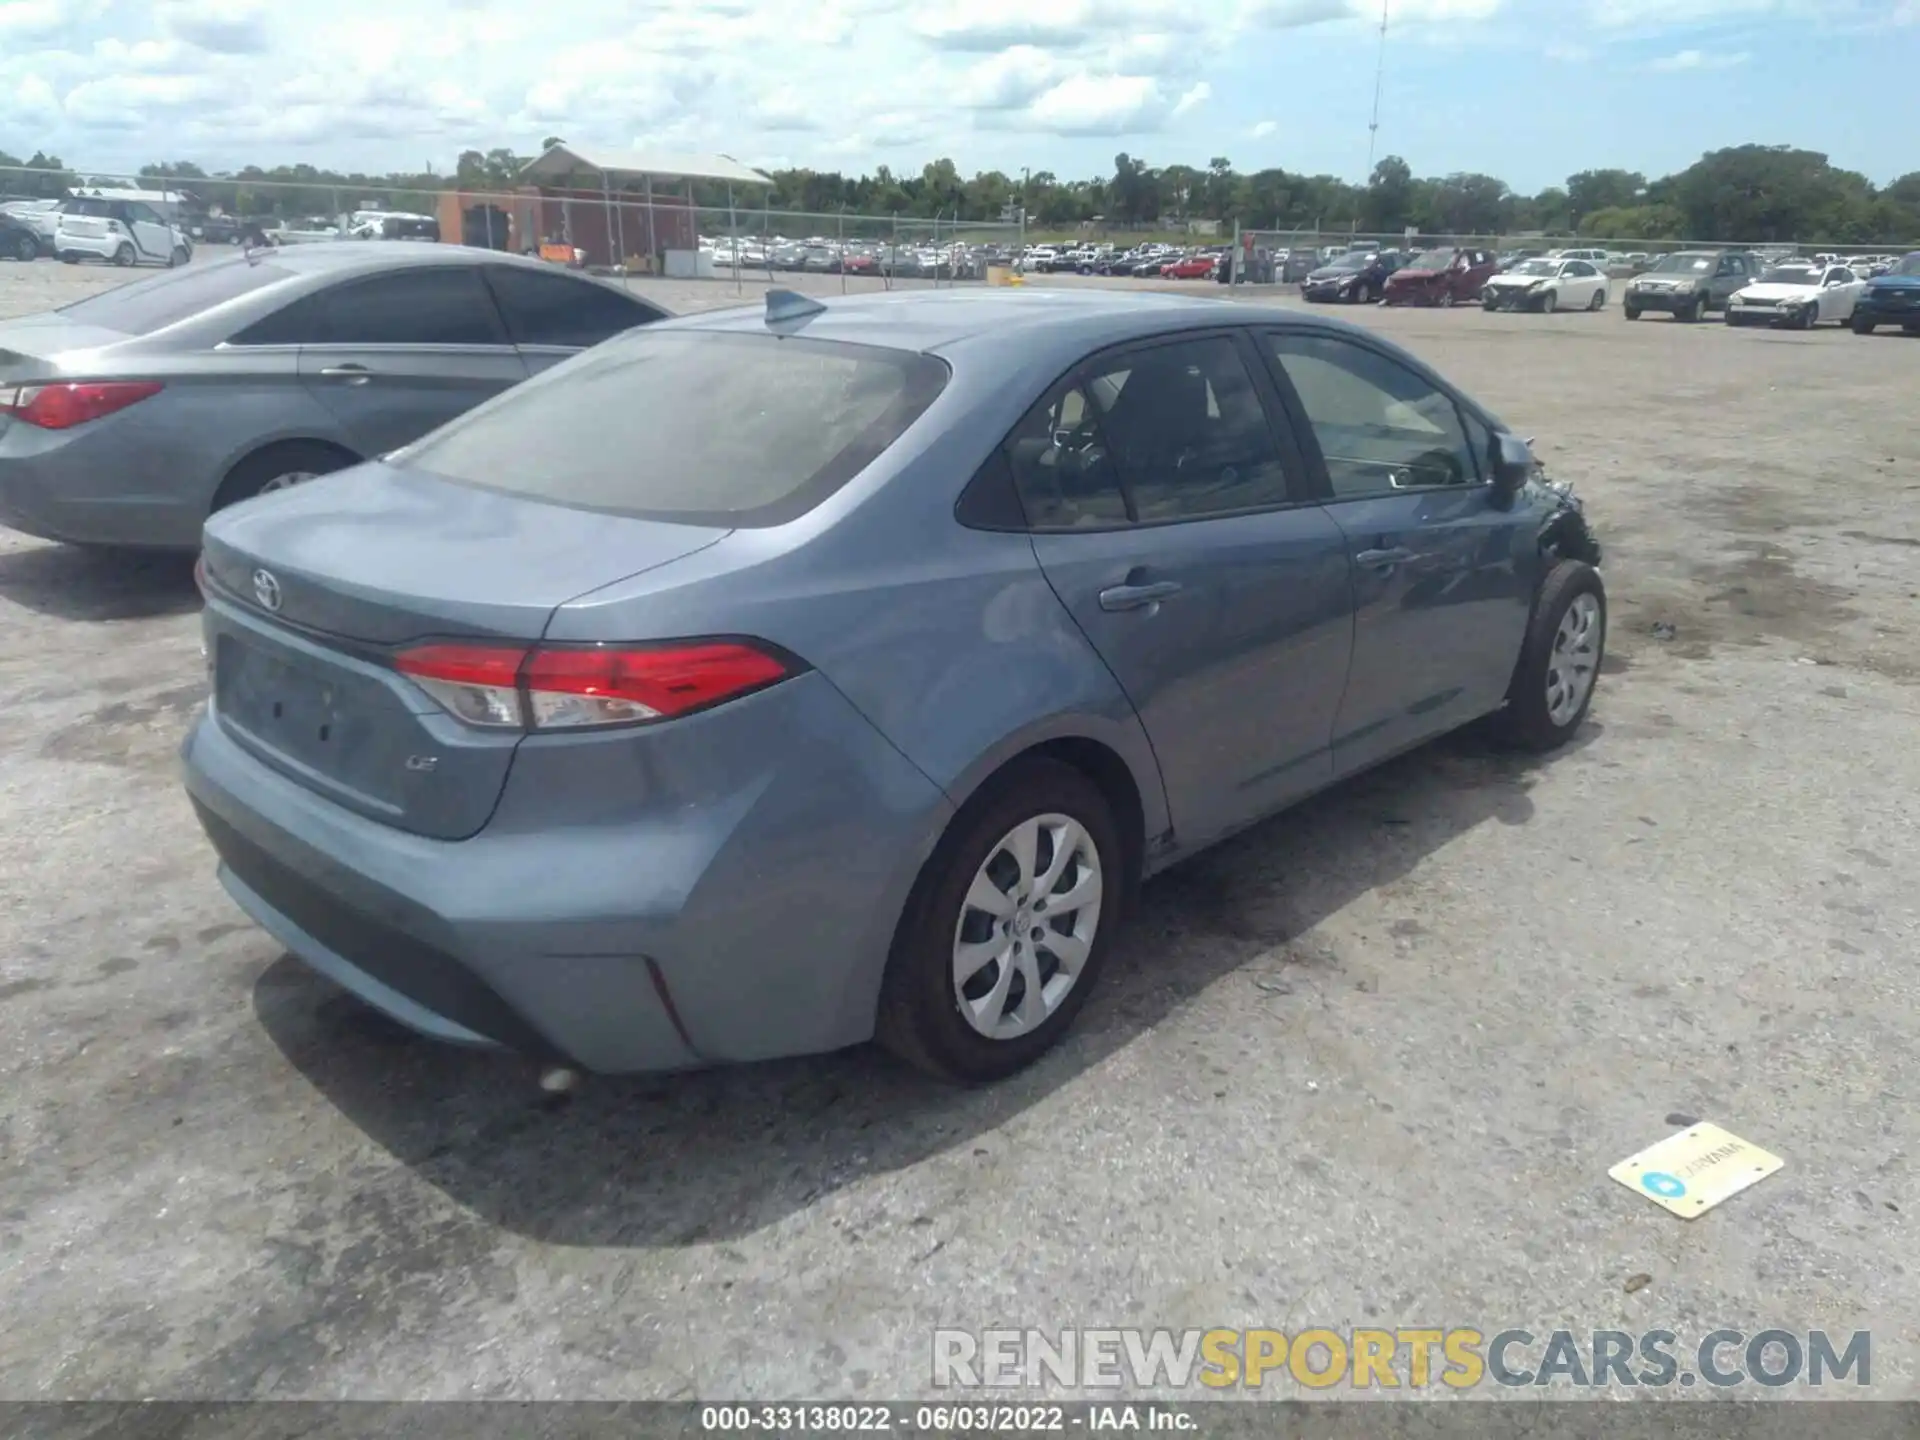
1592	190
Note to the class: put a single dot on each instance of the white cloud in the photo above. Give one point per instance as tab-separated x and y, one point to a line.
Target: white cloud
1263	130
1008	81
1570	54
1101	105
1192	99
228	27
1700	60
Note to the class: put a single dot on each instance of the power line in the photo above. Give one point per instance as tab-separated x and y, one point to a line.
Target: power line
1379	78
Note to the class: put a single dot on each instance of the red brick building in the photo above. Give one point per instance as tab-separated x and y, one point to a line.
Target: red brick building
616	206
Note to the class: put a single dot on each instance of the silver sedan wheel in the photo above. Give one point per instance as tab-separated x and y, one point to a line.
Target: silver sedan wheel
1575	659
286	481
1027	925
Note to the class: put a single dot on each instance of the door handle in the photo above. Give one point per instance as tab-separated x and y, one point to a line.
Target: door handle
352	374
1385	559
1137	597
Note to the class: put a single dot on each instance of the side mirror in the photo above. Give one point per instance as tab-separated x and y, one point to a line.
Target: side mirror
1511	467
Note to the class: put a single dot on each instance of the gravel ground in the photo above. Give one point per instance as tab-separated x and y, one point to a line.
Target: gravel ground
1366	1065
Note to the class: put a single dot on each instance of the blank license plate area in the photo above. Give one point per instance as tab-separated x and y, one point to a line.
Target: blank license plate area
322	720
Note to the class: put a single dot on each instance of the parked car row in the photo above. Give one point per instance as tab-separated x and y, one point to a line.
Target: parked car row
91	227
818	256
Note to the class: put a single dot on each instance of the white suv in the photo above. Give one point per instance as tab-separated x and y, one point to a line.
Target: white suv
125	232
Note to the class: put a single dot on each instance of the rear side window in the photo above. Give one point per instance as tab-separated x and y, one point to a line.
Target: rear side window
415	305
547	308
166	299
700	428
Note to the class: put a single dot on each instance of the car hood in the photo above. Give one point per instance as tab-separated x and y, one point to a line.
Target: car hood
1330	272
1412	274
1505	278
1896	282
1778	291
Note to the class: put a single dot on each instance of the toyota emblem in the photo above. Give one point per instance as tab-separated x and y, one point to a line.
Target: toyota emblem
266	589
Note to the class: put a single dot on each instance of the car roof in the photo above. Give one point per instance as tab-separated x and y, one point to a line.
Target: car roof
344	256
993	322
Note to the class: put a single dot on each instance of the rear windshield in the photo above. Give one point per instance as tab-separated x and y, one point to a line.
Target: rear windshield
698	428
146	306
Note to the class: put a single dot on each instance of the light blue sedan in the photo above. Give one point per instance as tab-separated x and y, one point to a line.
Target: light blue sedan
762	682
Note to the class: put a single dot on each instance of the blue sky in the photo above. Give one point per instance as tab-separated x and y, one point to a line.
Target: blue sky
1529	90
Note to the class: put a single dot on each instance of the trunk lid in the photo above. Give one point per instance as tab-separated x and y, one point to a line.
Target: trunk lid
312	592
31	348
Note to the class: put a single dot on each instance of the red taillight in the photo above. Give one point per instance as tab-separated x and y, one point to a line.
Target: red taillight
559	688
63	406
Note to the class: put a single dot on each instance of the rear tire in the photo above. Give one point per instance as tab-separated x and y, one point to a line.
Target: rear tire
1445	302
178	258
1558	652
920	1018
1599	301
26	248
124	256
1632	312
68	257
279	467
1862	325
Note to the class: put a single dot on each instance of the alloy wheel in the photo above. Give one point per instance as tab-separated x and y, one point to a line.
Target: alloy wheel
1027	926
286	481
1574	661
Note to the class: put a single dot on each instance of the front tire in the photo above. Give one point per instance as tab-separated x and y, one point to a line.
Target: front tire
1445	302
1560	659
1632	312
178	258
1599	301
1007	927
1862	325
27	248
1549	302
124	256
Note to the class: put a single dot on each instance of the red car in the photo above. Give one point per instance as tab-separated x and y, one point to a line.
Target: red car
1194	267
1442	277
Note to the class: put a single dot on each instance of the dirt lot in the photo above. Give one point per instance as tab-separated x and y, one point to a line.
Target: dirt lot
1367	1065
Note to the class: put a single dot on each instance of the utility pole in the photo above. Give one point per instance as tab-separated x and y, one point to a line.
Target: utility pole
1379	76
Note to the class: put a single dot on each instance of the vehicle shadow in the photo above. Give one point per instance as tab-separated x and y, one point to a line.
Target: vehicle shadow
676	1160
69	582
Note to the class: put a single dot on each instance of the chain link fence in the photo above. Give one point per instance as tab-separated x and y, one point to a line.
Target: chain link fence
650	230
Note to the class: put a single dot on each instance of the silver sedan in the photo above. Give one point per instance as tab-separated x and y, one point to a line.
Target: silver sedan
128	417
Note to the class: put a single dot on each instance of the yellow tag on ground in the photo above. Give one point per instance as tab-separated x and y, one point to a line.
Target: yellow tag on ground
1694	1171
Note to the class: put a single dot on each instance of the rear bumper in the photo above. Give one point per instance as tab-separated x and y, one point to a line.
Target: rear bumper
615	934
91	486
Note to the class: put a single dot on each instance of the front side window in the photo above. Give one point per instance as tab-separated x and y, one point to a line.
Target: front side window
1381	427
545	308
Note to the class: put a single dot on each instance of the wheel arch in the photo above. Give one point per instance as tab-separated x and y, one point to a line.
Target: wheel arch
1138	801
260	448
